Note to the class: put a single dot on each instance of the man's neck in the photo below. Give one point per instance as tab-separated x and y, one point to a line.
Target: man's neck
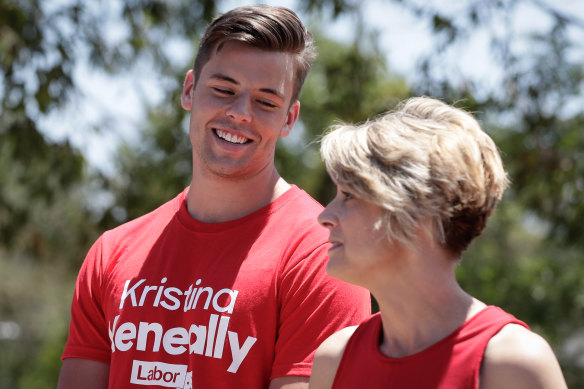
214	200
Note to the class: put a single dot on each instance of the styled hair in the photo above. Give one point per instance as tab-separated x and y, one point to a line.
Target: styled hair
264	27
425	160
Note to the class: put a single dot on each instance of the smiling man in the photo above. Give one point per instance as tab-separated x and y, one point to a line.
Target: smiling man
241	106
225	285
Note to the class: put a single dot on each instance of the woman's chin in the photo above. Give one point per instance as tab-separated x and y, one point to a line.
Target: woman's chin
338	269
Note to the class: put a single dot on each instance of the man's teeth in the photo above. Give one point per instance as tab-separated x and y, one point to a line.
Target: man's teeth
230	137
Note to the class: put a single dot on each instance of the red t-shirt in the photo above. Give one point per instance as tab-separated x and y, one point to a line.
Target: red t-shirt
453	362
169	301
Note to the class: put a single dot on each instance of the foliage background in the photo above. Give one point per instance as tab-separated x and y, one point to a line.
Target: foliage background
53	203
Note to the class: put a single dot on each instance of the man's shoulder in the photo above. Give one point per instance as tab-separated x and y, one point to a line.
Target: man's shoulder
300	196
145	224
300	206
299	214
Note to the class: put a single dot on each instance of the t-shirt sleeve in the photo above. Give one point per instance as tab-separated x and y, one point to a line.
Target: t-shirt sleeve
88	333
313	306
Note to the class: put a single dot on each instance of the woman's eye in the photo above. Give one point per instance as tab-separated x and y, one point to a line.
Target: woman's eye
347	195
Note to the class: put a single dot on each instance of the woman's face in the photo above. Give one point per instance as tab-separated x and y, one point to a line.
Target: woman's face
358	250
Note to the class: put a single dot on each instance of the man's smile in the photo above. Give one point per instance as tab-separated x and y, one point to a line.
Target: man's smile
231	138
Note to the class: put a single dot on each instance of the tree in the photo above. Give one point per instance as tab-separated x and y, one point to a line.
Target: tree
528	261
348	82
535	111
47	213
45	232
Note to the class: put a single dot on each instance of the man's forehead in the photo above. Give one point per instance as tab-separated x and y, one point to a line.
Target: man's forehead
274	70
246	47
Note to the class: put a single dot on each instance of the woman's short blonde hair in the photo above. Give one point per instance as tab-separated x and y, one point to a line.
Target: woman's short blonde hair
425	160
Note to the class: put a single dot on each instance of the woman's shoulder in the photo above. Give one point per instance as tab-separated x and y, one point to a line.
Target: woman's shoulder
328	357
519	358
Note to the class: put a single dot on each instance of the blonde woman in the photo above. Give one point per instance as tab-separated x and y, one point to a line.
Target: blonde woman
414	188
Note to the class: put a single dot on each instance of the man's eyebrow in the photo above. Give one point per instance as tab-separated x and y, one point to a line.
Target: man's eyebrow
272	92
223	77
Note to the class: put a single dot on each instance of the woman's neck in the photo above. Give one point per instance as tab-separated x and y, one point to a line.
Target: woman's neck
421	304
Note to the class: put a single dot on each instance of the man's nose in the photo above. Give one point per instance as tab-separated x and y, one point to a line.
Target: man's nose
240	109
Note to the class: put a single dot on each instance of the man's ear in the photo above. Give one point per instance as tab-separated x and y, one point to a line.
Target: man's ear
291	119
186	97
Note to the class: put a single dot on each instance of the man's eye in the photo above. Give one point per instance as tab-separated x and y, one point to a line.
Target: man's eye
223	91
267	104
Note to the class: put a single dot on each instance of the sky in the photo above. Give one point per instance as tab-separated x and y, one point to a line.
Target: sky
116	103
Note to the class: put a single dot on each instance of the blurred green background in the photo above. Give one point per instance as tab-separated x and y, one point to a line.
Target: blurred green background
54	201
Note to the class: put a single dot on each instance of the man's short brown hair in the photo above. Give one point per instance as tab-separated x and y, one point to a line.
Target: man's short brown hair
264	27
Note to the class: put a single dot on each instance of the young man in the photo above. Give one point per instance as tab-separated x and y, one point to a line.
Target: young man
414	188
224	286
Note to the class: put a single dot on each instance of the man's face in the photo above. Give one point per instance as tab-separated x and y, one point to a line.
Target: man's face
240	107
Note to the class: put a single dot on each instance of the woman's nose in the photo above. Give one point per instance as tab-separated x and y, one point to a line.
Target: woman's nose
326	218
